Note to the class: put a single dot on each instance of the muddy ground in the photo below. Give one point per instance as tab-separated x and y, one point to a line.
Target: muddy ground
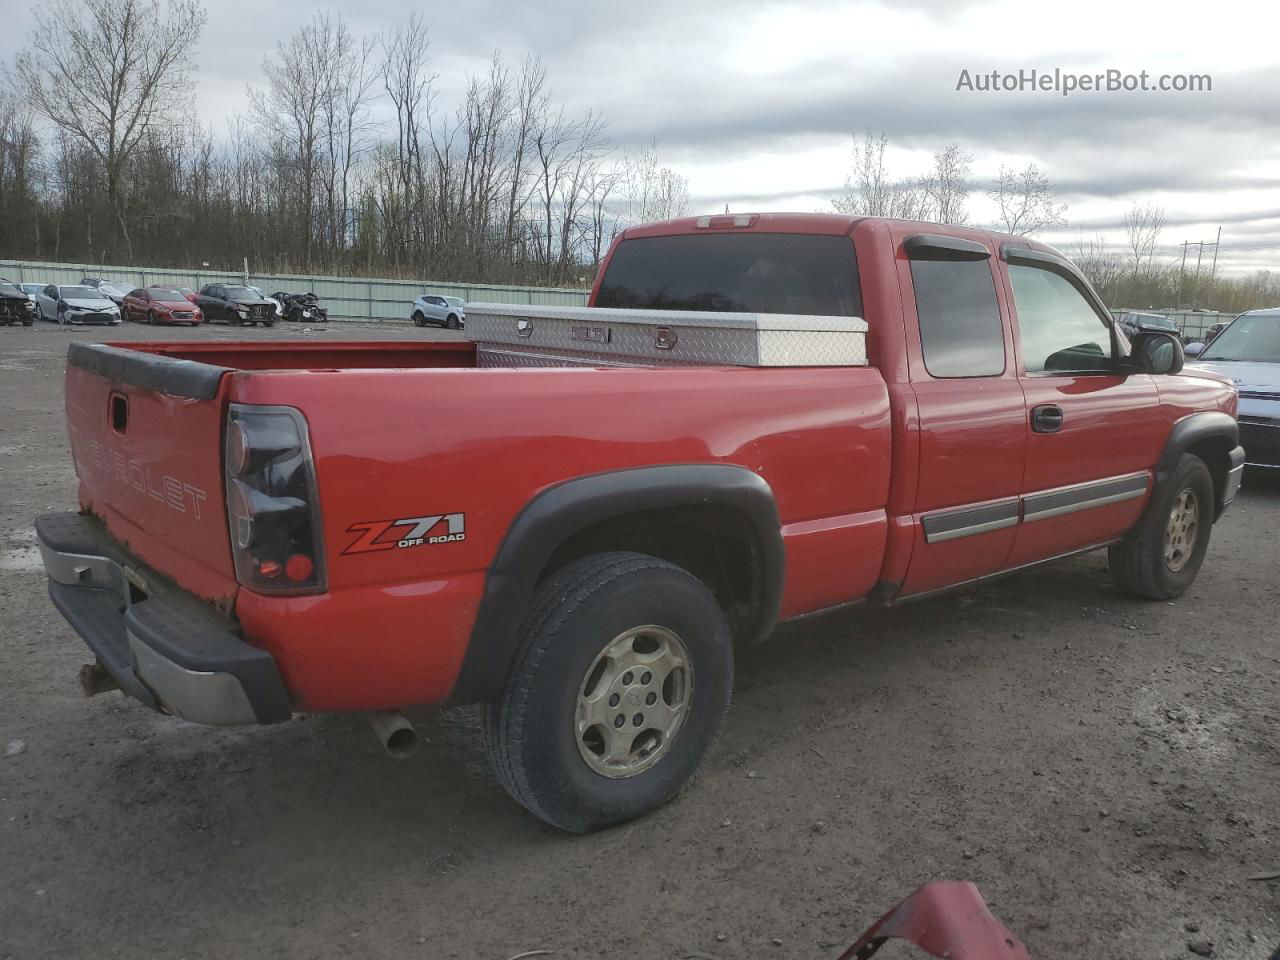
1105	770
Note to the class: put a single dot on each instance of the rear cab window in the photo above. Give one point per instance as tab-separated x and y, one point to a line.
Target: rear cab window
735	273
961	333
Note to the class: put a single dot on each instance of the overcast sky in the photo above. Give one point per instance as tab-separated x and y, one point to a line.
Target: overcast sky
755	102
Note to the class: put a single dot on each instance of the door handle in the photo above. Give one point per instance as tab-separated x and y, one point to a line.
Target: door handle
1046	418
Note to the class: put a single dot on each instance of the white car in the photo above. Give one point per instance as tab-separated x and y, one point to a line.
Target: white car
448	312
1248	352
279	305
76	304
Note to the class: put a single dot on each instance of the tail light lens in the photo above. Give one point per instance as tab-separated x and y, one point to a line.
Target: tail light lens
272	508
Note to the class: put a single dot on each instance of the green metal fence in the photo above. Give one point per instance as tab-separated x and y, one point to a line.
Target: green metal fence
367	299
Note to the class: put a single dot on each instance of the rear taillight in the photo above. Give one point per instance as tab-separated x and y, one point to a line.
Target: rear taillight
272	508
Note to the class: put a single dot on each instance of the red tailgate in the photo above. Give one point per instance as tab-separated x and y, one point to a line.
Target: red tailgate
146	437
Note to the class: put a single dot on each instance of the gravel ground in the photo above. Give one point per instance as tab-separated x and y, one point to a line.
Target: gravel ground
1105	770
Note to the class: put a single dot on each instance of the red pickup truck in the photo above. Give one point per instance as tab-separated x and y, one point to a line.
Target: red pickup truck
267	528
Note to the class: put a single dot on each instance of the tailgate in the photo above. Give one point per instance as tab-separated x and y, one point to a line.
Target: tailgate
146	437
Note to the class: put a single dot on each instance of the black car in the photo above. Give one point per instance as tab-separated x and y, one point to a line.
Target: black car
233	303
301	306
15	306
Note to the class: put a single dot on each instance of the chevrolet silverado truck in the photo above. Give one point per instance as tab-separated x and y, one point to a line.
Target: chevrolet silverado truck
272	528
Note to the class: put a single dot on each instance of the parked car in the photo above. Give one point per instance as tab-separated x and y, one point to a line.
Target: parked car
447	312
188	293
232	303
301	307
16	307
112	291
329	526
1134	321
1248	352
1198	345
164	305
32	289
279	306
76	304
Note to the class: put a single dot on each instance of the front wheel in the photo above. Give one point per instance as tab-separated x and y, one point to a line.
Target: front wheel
1159	560
623	676
452	323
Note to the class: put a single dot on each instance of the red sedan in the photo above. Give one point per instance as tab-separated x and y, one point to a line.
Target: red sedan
161	305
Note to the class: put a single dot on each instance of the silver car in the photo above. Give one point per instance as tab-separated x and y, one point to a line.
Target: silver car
449	312
76	304
1248	352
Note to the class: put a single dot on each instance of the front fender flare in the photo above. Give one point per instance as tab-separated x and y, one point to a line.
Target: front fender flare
560	511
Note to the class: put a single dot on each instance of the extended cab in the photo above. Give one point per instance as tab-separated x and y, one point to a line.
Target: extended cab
267	528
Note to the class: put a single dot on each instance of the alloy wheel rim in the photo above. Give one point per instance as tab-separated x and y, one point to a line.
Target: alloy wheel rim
633	701
1181	531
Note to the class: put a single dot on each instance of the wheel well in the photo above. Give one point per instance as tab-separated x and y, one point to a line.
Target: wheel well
717	544
1216	454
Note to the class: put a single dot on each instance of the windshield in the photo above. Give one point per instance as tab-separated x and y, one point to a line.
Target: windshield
742	273
33	287
1249	337
79	293
163	294
242	293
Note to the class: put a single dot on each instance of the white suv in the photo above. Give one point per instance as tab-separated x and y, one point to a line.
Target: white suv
447	312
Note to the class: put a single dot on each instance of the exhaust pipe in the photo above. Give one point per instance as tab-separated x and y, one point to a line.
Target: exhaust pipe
395	733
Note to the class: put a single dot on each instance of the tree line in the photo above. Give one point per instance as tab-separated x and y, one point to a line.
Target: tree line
1134	274
103	160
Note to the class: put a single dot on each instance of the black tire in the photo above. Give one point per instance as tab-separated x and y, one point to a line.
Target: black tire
28	323
451	323
418	319
1139	563
530	734
268	323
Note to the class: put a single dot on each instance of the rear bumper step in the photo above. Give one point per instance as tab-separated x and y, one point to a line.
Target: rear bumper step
162	645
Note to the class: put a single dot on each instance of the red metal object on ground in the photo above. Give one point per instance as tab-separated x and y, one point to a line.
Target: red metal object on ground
947	919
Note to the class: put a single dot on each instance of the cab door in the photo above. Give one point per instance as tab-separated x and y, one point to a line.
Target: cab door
972	427
1094	431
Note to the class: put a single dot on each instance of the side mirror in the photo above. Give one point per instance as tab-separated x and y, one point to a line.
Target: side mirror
1157	353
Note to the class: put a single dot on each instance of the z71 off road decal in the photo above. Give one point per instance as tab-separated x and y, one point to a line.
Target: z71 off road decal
409	532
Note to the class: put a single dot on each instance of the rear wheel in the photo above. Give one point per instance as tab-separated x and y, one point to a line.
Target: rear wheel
418	319
623	677
1159	560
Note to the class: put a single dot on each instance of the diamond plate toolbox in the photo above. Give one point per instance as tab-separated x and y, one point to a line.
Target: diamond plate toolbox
517	335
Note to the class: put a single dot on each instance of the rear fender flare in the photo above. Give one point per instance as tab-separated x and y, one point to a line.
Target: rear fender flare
558	512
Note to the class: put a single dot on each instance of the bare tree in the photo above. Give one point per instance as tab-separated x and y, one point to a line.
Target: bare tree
947	185
652	191
1143	225
107	73
1025	200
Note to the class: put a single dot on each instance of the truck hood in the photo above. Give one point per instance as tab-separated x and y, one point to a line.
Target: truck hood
1246	375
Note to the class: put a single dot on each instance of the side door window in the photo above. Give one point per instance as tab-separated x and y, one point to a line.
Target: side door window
1060	330
961	334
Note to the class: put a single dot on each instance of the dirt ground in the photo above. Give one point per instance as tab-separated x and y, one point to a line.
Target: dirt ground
1107	771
